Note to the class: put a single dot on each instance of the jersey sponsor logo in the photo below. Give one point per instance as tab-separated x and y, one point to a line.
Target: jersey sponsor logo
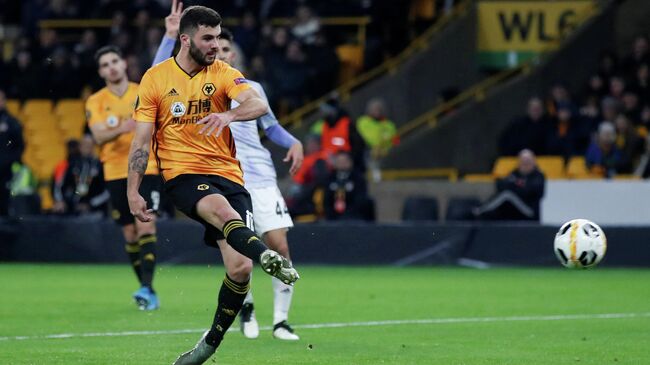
112	121
240	80
203	187
178	109
208	89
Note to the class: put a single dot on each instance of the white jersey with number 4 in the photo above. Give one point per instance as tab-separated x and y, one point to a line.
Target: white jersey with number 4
255	159
269	208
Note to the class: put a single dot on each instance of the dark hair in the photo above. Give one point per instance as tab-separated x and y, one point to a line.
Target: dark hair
197	15
226	34
107	49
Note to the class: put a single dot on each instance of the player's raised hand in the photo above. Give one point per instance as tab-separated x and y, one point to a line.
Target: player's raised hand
214	123
138	208
295	155
173	20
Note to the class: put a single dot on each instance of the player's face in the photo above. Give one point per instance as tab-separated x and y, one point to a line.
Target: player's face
225	52
203	45
112	68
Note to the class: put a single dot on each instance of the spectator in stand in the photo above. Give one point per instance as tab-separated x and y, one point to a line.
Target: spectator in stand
567	136
324	64
339	133
629	143
590	113
306	25
596	86
346	192
528	132
83	191
290	77
643	168
11	150
559	95
607	65
603	157
642	81
377	130
610	109
311	177
60	170
26	77
518	194
631	105
616	87
247	34
640	55
59	83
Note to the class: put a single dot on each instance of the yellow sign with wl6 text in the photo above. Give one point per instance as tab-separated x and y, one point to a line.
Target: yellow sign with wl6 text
510	32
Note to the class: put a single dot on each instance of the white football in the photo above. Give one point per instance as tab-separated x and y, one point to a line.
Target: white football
580	243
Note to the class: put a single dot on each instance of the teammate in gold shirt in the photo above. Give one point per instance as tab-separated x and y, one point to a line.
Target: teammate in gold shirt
184	104
108	113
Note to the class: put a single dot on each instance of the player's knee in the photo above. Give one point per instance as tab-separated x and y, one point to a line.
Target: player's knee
241	271
129	233
144	229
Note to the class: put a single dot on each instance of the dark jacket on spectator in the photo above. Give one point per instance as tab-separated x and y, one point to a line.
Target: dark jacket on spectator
83	188
524	133
530	187
346	197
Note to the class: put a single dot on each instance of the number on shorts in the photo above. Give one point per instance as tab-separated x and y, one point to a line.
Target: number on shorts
155	200
249	220
278	209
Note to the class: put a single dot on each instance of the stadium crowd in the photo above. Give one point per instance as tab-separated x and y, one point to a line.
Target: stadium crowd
607	122
297	61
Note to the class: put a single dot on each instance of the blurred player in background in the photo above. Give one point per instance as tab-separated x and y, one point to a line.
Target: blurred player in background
185	103
271	216
108	114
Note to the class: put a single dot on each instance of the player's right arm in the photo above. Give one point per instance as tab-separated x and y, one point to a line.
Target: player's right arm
146	110
99	128
138	158
102	133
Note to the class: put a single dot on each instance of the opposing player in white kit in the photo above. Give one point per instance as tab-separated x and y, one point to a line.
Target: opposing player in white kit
270	214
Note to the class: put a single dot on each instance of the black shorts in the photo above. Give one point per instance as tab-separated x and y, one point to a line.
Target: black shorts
149	189
186	190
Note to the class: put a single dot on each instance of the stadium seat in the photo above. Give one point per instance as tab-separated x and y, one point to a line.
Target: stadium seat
70	108
420	208
504	166
351	57
460	209
551	166
13	107
37	107
45	193
479	178
577	169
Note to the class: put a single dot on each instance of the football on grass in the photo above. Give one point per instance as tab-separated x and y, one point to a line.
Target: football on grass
580	243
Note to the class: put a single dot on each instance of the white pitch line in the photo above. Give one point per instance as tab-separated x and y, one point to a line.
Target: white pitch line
557	317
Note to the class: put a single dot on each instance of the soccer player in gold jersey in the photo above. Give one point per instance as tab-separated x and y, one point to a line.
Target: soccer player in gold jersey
183	103
108	114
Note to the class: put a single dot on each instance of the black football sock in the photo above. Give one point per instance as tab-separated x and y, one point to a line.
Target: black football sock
147	245
243	240
231	299
133	250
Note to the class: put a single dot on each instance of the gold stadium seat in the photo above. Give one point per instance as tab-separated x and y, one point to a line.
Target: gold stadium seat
504	166
351	57
551	166
577	169
69	107
13	107
37	107
46	197
479	178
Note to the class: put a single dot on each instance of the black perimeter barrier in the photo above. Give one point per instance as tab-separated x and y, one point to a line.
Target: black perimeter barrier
46	239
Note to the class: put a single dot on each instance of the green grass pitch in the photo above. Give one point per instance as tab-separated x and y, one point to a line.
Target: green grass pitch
472	317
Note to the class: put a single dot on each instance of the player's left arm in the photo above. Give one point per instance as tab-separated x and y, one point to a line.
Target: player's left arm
172	23
251	106
281	137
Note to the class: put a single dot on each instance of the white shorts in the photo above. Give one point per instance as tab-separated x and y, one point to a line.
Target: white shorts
269	210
